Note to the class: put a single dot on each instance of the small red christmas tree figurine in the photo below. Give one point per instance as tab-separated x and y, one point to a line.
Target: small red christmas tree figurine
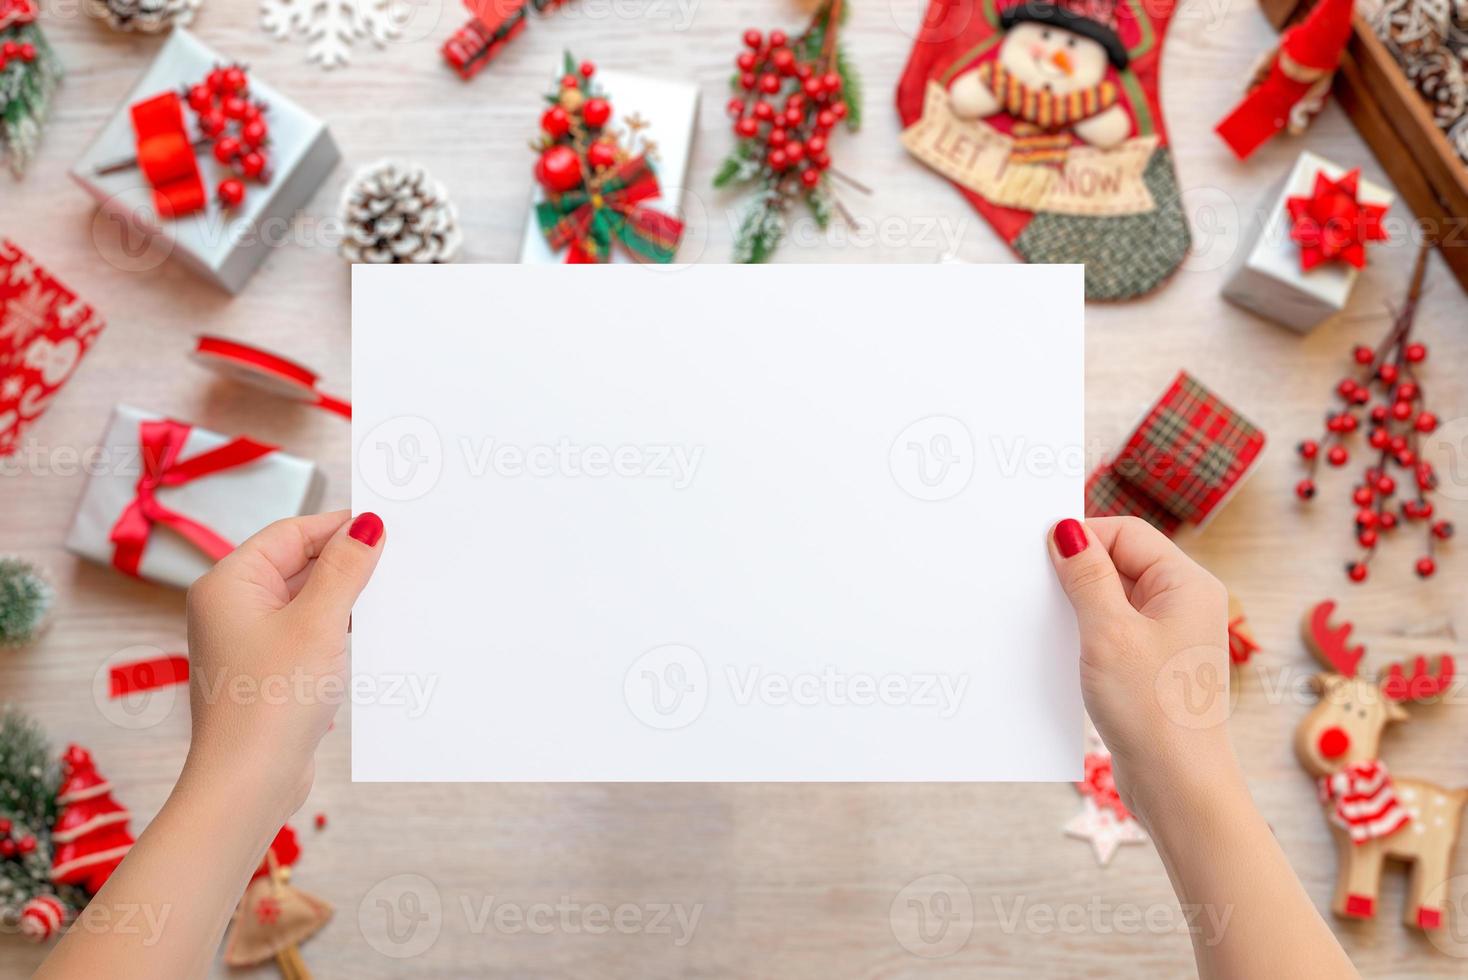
90	835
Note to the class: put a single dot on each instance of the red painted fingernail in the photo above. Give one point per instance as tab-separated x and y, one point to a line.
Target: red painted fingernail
367	528
1070	538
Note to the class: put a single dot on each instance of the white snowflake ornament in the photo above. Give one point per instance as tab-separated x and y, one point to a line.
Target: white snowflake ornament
1104	830
331	26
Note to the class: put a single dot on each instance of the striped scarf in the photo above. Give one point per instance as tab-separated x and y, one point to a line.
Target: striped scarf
1045	109
1366	805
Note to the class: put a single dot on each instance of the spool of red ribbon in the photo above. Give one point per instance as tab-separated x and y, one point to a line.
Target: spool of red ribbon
166	155
266	371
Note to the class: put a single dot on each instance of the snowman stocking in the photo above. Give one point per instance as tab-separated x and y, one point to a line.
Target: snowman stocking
1045	114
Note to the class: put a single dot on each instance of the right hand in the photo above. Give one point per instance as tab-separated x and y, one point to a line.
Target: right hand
1154	654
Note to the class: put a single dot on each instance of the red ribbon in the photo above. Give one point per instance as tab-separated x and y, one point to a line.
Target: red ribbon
161	442
166	155
148	675
1332	223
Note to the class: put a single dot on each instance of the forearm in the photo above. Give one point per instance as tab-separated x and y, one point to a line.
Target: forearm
1255	919
177	887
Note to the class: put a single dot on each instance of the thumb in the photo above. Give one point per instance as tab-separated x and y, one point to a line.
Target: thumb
1087	574
343	568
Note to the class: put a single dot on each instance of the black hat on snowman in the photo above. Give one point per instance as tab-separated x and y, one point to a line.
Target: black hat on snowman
1094	19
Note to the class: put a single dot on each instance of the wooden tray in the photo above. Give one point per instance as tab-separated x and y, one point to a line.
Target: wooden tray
1398	126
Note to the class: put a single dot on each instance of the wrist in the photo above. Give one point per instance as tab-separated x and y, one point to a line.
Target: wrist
263	796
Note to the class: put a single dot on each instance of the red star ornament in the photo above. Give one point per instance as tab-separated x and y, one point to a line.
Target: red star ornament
1333	224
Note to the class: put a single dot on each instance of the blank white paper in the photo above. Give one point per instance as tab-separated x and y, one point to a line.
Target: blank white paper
716	523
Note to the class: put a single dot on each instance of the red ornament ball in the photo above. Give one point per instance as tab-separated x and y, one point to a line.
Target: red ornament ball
7	847
559	169
1426	422
1415	353
1337	456
1356	571
601	155
1305	489
746	128
1387	373
753	38
810	176
1442	530
778	38
1363	354
1425	567
596	112
556	122
587	69
1308	449
254	133
1367	538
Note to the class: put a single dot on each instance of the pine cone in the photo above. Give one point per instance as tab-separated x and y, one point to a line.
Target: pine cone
148	16
396	212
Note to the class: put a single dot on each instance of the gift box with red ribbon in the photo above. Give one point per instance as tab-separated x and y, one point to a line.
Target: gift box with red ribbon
45	329
166	500
1309	243
1186	457
629	216
206	163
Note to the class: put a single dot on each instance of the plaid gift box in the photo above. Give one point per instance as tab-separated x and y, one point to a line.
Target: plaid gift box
1189	453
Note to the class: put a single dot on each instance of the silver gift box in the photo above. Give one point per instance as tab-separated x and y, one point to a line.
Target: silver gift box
1267	278
224	247
233	503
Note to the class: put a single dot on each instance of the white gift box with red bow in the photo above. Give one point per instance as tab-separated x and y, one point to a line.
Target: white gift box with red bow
230	503
1267	277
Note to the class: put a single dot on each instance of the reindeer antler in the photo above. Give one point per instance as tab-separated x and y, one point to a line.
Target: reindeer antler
1329	644
1422	684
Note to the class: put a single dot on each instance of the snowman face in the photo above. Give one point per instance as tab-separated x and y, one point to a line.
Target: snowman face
1052	58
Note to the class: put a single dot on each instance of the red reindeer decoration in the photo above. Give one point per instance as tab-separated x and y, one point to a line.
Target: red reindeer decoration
1373	815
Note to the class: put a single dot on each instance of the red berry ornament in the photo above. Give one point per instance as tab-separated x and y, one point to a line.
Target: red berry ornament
1356	570
231	192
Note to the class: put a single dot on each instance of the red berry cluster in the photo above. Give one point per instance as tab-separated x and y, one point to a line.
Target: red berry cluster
1395	424
575	140
788	108
12	847
23	52
237	127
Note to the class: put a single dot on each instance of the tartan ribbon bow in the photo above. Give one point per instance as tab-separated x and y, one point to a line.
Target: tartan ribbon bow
161	442
166	155
589	220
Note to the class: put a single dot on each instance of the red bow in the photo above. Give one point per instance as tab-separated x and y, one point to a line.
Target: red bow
1332	223
166	155
161	442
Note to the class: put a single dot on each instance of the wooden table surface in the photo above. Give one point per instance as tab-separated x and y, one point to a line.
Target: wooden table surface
786	880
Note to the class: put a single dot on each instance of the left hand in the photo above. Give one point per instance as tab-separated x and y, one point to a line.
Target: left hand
268	652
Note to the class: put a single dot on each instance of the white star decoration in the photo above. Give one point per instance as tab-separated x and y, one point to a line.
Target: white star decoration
1100	825
1104	830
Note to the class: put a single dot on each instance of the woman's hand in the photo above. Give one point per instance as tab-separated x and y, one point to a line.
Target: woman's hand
267	650
1154	655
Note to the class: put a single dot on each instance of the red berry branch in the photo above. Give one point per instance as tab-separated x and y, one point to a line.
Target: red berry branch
237	127
1399	480
790	93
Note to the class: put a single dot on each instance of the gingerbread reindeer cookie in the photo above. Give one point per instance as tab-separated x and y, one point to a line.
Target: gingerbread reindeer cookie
1373	814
